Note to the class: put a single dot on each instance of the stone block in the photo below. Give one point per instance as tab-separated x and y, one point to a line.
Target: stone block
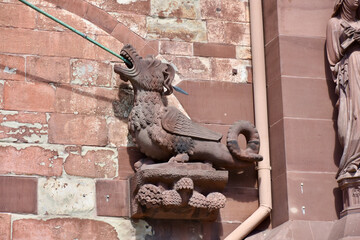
77	22
176	9
92	162
214	50
66	196
100	18
118	133
230	70
173	29
78	7
2	94
240	204
27	127
112	198
12	67
217	102
309	12
90	73
29	96
141	7
298	53
243	52
313	196
5	226
228	10
18	195
63	228
31	160
48	69
135	22
39	42
20	16
271	27
197	68
87	100
308	98
228	32
77	130
176	48
308	134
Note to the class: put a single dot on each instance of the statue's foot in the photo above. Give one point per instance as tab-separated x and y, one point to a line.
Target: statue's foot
352	168
180	158
142	162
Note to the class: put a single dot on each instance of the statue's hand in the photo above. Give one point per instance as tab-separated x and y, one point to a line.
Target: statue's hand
357	37
349	31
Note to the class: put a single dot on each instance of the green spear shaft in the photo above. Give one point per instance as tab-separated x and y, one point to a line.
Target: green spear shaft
76	31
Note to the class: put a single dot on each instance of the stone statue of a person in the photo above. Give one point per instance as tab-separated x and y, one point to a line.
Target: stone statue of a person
343	51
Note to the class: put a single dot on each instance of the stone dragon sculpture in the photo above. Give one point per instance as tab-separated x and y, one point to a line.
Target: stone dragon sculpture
163	133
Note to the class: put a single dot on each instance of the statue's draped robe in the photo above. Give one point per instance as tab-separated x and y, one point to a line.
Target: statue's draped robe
345	66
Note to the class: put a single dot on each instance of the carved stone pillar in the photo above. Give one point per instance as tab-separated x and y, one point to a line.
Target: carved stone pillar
351	195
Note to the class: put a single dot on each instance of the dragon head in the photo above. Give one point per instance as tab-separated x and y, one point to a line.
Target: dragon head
148	73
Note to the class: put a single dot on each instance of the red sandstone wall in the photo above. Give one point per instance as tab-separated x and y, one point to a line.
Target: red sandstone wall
304	147
64	149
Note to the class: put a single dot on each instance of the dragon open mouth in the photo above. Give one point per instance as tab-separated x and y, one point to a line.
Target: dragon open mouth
125	55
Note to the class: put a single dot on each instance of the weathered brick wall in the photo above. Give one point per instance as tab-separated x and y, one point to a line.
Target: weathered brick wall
65	153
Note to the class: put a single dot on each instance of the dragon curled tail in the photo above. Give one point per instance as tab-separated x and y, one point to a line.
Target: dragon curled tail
252	138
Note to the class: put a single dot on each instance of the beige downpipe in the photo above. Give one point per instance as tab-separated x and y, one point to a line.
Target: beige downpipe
261	122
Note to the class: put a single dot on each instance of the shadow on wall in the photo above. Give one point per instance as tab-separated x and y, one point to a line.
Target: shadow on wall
121	106
338	149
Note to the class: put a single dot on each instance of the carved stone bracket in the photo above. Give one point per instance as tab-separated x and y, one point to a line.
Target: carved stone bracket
351	195
178	191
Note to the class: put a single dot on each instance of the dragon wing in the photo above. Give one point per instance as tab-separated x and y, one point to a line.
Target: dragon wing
176	122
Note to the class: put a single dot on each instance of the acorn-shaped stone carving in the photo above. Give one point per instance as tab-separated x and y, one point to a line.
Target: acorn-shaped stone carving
215	200
150	196
198	200
171	198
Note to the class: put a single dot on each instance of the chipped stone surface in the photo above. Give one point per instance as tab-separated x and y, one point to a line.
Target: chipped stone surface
78	130
228	10
11	67
230	70
176	29
191	67
176	8
66	196
228	32
243	52
23	127
119	133
176	48
44	160
58	227
135	6
92	162
86	100
90	73
63	228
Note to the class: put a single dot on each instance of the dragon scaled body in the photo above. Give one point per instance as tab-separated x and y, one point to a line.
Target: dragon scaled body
163	133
